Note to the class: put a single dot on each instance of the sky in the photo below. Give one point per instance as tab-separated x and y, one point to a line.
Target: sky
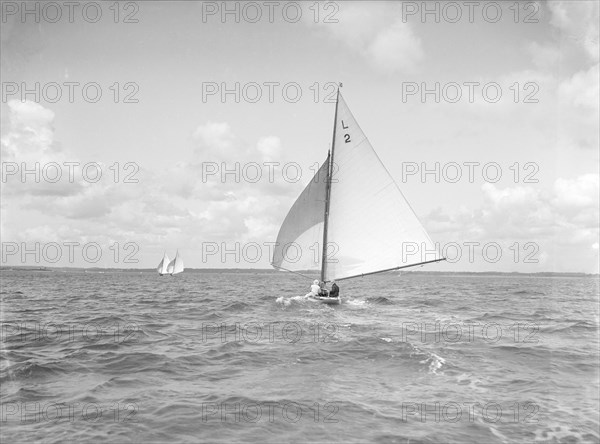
182	126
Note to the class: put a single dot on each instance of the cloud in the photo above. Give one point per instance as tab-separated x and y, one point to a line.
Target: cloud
377	33
33	163
579	109
568	76
59	186
213	138
30	135
582	91
568	210
579	22
178	206
545	57
577	195
559	220
270	148
216	195
396	49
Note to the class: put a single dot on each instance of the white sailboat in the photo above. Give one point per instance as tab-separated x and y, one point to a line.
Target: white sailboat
176	265
164	264
351	220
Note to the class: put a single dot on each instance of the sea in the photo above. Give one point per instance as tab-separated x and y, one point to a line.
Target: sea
228	357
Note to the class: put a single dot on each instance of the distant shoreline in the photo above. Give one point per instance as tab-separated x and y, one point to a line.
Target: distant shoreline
271	271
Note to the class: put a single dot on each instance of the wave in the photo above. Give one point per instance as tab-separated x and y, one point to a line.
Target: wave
286	302
382	300
30	370
358	355
237	306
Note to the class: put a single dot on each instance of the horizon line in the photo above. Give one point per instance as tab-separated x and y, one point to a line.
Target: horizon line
152	269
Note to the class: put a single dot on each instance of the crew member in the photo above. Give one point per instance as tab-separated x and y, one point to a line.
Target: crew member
335	290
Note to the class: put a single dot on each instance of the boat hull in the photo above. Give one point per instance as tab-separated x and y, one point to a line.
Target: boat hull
327	300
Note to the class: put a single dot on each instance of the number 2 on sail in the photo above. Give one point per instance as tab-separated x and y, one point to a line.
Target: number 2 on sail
346	136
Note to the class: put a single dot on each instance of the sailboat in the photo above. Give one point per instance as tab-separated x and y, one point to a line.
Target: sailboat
163	266
176	265
351	220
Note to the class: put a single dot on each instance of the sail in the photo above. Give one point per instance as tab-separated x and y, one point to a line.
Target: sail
176	266
164	263
298	245
370	223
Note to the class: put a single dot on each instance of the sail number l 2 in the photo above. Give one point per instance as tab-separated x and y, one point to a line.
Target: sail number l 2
346	136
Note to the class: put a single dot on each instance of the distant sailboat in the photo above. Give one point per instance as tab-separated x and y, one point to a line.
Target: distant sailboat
351	219
176	265
162	267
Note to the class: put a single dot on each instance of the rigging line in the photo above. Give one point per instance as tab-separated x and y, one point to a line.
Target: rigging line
291	271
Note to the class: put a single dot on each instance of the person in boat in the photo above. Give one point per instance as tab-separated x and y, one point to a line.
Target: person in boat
323	290
315	288
335	290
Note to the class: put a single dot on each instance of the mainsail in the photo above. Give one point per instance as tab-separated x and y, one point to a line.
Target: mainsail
163	266
354	208
298	245
371	226
176	265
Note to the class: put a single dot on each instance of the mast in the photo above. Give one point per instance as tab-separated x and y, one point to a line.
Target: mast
328	188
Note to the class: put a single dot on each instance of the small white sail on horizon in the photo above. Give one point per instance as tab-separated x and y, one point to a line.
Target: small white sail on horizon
354	208
162	267
176	265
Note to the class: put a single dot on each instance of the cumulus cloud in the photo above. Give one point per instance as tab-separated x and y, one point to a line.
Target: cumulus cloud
214	138
566	72
30	135
578	92
182	205
33	163
562	218
579	109
567	213
377	33
544	57
236	190
579	22
396	49
582	90
57	191
270	148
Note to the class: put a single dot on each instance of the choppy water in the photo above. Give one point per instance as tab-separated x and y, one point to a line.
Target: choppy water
238	357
